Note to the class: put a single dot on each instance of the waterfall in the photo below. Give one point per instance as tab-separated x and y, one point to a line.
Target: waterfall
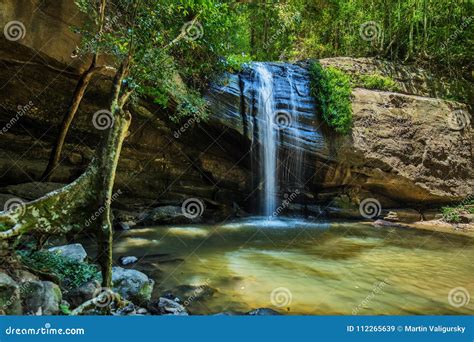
268	137
270	105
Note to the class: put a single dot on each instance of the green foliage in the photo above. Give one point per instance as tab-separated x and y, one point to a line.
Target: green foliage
434	32
453	213
70	272
176	46
332	90
235	62
64	308
376	81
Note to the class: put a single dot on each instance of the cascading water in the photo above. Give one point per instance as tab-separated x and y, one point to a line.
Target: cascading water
270	104
268	137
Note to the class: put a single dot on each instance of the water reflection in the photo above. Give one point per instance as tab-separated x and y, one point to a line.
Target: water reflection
337	268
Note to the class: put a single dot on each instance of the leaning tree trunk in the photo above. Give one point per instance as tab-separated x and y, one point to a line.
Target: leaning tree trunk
79	92
87	199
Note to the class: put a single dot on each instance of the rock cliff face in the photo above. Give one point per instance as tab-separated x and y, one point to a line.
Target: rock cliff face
404	148
408	149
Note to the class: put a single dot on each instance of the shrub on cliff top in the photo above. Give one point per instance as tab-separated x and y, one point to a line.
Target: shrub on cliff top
332	89
375	81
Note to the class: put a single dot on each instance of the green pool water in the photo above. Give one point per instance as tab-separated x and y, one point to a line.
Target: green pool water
299	267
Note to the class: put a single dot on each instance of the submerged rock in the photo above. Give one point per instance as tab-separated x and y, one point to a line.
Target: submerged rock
383	223
168	214
189	293
403	215
74	251
128	260
165	306
263	312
